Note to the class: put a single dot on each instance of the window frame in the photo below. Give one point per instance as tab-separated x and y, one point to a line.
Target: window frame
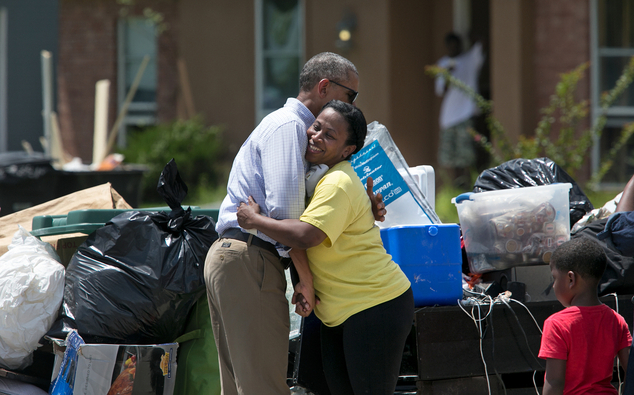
147	110
617	116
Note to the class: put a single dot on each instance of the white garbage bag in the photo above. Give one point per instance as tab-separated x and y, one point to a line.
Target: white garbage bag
31	292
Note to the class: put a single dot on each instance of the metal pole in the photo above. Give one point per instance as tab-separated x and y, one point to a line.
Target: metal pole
47	98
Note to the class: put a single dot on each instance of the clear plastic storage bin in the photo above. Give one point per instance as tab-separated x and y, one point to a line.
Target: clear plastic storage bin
513	227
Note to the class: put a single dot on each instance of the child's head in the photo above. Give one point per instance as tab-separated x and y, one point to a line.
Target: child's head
584	258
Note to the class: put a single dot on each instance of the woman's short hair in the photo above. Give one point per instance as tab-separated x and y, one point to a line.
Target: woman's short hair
325	65
357	126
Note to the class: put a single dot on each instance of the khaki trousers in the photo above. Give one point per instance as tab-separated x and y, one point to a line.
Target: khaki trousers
246	289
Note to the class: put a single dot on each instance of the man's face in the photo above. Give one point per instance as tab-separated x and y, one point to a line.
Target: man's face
345	93
454	48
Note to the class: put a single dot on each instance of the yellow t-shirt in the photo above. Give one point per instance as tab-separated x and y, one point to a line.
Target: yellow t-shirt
351	270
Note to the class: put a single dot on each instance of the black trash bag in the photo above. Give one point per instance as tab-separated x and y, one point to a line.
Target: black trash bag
134	280
619	274
518	173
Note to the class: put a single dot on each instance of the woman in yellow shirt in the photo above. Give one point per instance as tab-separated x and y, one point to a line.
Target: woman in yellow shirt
366	305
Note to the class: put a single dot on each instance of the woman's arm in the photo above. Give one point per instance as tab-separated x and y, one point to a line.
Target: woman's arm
304	295
555	377
290	232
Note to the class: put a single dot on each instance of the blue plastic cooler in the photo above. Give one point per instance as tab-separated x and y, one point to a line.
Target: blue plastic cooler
431	258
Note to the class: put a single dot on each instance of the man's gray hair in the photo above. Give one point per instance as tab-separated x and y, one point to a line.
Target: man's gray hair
325	65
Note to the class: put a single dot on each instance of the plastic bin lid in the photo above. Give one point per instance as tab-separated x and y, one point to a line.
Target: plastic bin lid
475	196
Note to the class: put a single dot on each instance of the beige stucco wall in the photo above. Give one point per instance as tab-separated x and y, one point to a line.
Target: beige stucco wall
512	38
417	39
216	41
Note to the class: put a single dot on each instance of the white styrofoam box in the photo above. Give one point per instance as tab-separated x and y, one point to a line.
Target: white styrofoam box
425	176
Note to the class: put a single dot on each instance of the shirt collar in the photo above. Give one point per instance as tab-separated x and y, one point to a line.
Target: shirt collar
303	111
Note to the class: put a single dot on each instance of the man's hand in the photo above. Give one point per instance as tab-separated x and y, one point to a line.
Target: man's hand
378	207
246	213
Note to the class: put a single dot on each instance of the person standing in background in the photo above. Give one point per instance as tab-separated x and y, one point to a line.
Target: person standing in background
456	152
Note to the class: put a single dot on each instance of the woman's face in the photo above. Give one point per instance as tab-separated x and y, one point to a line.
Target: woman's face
327	139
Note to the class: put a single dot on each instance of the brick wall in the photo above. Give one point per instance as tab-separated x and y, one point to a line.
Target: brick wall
88	53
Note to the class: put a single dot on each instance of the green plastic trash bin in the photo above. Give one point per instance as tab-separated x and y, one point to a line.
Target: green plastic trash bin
198	371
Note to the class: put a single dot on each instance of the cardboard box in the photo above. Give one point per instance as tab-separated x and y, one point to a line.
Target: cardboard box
108	369
431	258
513	227
66	246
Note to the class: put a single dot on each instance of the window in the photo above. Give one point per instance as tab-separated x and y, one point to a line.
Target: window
612	45
137	38
279	54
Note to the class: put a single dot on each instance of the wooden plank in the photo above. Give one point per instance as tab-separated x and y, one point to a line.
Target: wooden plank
100	133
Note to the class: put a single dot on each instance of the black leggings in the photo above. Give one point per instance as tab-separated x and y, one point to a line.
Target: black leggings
363	355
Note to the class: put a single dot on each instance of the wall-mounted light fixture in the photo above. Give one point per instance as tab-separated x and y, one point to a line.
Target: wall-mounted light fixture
345	28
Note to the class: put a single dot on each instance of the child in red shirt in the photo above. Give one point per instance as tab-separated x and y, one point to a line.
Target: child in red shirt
580	342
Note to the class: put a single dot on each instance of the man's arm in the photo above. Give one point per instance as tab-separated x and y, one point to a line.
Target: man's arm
290	232
555	377
440	86
627	199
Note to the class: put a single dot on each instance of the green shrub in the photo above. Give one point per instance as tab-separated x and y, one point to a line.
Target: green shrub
195	147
